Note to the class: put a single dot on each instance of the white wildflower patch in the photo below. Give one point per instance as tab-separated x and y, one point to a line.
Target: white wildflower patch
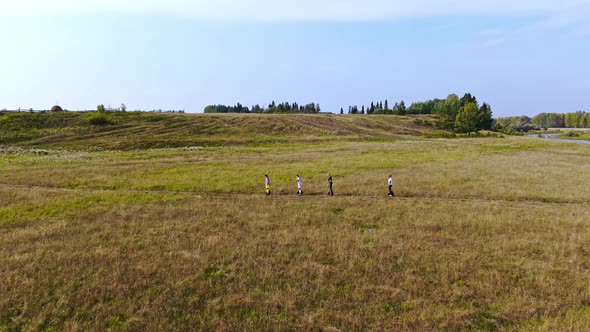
186	148
16	150
68	157
44	156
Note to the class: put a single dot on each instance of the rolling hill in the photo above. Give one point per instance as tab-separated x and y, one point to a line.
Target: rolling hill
135	130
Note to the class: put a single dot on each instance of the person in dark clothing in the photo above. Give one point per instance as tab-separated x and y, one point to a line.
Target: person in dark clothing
330	192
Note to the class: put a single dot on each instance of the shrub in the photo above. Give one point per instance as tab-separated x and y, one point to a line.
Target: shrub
99	120
424	123
439	134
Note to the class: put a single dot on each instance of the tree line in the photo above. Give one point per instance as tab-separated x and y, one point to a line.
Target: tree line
515	124
378	108
462	115
272	108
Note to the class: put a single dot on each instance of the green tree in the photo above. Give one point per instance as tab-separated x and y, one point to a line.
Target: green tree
569	120
541	120
402	108
341	110
513	124
468	98
100	108
487	116
448	110
256	109
579	119
469	119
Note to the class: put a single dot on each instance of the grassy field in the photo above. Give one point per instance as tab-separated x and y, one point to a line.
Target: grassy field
570	133
580	134
486	233
135	130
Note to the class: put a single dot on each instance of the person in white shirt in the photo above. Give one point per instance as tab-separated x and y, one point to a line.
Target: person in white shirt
299	185
390	184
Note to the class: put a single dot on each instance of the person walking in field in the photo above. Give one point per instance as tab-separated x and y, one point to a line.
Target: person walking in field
390	184
299	185
267	184
330	192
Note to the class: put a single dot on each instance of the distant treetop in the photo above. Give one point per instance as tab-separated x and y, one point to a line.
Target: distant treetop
282	108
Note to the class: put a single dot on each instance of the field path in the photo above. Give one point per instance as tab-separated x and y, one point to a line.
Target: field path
194	194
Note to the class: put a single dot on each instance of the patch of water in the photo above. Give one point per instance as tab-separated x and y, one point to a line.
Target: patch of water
556	137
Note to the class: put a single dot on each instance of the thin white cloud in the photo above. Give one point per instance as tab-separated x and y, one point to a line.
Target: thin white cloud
325	10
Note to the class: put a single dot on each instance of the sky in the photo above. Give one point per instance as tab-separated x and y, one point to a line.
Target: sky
523	57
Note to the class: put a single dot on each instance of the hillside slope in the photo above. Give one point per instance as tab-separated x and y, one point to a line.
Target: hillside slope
125	131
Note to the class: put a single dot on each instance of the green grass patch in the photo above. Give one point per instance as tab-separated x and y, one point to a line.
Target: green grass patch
88	203
484	234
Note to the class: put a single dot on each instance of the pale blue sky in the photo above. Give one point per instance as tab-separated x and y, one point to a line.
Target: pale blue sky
523	58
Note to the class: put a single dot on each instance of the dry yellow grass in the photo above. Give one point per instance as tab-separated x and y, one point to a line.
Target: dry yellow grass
128	131
487	234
